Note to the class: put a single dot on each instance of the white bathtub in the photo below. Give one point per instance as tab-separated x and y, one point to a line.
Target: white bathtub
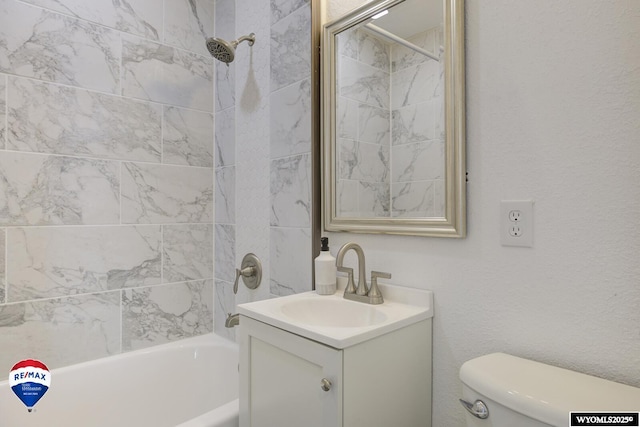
190	383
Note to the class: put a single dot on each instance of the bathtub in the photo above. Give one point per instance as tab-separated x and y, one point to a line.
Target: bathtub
189	383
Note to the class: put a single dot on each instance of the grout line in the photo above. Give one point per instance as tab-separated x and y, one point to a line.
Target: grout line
54	226
91	90
103	292
142	162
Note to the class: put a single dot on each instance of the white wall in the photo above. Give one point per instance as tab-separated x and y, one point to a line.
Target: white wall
553	114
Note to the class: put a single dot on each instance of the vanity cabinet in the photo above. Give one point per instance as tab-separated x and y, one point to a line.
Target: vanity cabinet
287	380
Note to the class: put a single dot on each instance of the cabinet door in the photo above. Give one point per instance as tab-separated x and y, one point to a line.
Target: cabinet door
281	378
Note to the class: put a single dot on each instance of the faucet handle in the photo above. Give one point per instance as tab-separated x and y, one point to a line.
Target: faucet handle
375	297
351	287
379	274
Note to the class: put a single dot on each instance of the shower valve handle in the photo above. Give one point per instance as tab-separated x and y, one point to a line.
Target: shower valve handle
251	272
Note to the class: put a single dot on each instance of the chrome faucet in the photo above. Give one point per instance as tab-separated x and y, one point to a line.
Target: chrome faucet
362	293
232	320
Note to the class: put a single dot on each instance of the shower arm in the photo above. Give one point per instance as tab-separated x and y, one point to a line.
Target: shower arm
251	38
388	35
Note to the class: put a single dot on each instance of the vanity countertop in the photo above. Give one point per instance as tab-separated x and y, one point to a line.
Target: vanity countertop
340	323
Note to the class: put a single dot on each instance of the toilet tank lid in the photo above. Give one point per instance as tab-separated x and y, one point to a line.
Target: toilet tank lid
543	392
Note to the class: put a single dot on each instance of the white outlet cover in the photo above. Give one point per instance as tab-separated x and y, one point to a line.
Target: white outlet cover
516	213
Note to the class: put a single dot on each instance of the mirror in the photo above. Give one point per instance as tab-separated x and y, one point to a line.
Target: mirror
393	121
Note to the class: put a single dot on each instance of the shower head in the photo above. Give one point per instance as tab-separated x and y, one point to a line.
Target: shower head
225	51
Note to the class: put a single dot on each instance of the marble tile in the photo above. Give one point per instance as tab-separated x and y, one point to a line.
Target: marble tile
139	17
290	110
3	107
225	252
413	199
225	19
61	331
347	43
283	8
161	314
347	118
417	162
347	197
225	302
414	123
225	95
187	137
78	53
225	138
414	85
225	201
188	23
39	189
404	57
55	119
374	125
291	191
363	83
49	262
166	194
160	73
374	51
364	162
290	256
187	251
373	199
291	49
2	265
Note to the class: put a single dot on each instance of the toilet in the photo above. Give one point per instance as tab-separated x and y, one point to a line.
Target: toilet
508	391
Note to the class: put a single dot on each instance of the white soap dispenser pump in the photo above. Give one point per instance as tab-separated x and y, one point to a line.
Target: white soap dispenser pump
325	265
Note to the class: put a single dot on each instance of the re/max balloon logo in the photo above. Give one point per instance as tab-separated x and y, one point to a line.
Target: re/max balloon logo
30	379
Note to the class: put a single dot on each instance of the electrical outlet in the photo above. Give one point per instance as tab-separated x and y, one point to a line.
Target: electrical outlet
516	223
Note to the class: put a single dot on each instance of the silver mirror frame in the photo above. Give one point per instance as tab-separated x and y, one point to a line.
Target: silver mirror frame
453	224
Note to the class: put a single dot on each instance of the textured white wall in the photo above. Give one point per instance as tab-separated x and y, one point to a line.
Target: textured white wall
553	114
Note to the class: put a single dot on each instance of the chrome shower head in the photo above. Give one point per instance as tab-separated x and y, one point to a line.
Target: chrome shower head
225	51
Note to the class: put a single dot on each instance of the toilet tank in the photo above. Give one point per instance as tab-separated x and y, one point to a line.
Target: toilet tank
524	393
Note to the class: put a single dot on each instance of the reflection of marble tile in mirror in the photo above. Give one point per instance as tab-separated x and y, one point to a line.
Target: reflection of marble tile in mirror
414	123
362	161
373	125
373	199
418	161
363	83
347	118
388	90
373	51
413	199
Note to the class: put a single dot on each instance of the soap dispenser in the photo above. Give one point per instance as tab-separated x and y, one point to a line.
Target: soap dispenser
325	265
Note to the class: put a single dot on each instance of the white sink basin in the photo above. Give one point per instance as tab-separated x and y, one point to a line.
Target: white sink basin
340	323
332	313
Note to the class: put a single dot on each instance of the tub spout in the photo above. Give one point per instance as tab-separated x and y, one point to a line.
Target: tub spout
232	320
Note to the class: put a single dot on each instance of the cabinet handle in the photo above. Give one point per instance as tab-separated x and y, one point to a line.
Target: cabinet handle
325	384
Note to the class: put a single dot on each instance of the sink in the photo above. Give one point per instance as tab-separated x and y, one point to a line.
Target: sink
340	323
332	313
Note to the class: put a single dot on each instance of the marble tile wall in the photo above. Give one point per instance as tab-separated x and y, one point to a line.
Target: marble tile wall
417	143
390	125
363	124
107	161
263	150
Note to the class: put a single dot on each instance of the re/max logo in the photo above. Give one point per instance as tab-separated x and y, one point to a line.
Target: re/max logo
34	375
